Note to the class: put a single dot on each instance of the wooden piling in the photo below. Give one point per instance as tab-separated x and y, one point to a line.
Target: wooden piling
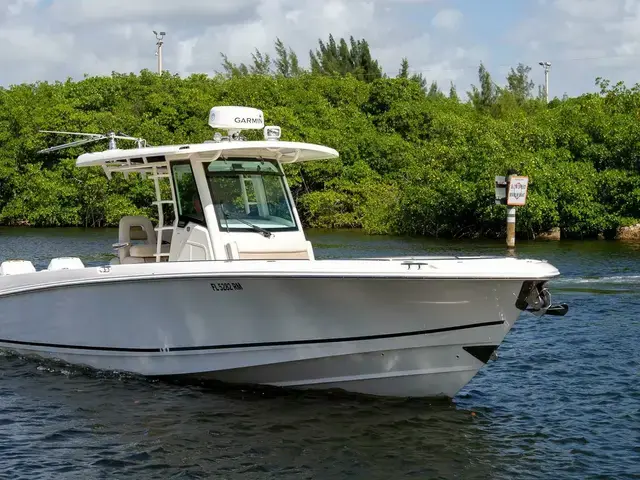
511	227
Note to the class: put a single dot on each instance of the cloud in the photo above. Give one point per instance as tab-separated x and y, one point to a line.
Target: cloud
215	12
583	39
448	19
16	7
57	39
589	9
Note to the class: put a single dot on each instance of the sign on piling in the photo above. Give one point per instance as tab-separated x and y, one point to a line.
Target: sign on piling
517	196
511	191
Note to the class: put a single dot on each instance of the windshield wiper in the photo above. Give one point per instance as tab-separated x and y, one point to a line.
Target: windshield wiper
255	228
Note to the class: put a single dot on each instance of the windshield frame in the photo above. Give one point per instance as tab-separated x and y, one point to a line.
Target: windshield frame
182	217
279	173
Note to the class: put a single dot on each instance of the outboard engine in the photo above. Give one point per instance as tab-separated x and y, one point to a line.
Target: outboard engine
534	297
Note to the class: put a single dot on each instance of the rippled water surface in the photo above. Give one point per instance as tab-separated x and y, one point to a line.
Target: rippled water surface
562	400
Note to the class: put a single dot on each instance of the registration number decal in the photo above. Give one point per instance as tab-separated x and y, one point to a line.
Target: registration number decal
226	287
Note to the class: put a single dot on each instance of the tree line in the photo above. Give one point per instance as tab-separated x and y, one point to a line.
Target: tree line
414	160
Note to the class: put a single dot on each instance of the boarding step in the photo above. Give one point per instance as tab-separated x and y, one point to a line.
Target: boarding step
164	202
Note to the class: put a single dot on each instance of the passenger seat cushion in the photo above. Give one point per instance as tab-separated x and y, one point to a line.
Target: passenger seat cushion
292	255
130	260
146	250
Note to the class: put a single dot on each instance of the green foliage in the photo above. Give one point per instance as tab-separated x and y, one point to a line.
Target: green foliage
286	62
416	77
413	160
453	93
340	58
519	84
485	96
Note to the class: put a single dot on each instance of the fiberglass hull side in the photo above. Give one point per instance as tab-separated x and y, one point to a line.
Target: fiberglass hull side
429	365
383	336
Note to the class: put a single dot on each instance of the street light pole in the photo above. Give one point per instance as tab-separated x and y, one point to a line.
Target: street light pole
546	66
159	42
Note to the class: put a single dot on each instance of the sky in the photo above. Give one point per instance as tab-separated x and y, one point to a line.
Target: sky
445	40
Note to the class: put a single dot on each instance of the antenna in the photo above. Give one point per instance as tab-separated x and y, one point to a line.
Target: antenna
93	137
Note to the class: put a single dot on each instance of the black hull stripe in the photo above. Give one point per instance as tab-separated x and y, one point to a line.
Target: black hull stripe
253	345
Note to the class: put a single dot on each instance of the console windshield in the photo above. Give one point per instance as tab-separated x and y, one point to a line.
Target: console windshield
249	195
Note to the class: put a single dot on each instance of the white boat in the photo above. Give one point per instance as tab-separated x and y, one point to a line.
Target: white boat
231	290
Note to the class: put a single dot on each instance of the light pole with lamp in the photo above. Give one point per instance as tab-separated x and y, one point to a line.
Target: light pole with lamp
159	42
547	67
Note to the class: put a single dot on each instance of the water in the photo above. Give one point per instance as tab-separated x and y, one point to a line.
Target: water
562	401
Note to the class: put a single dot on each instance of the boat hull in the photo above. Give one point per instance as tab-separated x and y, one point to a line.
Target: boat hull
381	336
